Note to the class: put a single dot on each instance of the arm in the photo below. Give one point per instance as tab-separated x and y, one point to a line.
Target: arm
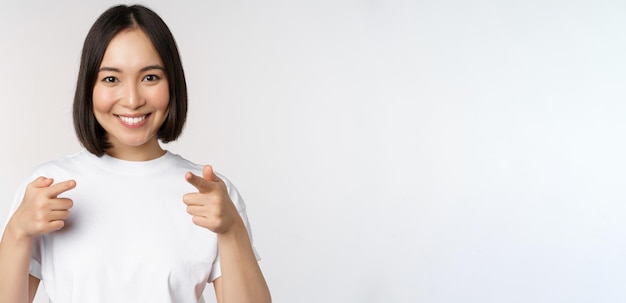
39	213
241	280
15	260
15	250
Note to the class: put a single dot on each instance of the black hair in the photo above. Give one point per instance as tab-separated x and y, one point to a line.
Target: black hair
114	20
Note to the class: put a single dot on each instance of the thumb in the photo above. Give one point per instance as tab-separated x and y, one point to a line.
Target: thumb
207	173
42	182
204	184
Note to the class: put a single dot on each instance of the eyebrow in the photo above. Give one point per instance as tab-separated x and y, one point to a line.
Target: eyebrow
117	70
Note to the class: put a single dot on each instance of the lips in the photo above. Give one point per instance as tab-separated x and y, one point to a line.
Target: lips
132	120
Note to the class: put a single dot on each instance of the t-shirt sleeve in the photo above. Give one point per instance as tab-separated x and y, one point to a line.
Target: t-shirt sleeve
216	271
35	260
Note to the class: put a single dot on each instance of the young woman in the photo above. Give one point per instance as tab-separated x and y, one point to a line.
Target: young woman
124	220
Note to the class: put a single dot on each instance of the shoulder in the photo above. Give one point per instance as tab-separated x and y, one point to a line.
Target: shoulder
183	164
64	165
60	169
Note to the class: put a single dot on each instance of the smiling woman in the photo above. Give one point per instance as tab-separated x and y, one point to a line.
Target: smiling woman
131	96
118	48
129	221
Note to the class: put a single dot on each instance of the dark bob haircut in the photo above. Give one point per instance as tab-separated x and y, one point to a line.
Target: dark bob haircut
116	19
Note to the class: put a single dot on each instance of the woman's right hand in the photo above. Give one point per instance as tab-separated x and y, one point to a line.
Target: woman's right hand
41	211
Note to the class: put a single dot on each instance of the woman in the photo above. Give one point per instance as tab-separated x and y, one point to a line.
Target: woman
126	220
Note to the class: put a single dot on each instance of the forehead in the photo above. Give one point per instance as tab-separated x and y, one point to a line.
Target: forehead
131	48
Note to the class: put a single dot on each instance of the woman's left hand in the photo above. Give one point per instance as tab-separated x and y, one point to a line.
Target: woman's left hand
211	206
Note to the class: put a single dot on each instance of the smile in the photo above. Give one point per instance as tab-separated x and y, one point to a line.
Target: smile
132	120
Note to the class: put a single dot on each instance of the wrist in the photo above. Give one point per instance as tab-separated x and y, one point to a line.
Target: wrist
236	230
16	234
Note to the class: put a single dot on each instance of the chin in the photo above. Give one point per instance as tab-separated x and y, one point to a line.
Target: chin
133	142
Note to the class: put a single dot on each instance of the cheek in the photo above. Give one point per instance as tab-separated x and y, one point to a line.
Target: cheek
161	97
102	99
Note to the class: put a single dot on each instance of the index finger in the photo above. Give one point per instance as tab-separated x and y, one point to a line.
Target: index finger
201	184
56	189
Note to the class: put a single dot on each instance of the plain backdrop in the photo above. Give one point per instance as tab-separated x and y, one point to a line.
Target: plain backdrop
388	151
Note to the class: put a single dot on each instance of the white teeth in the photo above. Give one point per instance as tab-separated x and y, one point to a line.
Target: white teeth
131	120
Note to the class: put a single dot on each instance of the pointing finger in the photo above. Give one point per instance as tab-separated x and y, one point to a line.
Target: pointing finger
60	188
198	182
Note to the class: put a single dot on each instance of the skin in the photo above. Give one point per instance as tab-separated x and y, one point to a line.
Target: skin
131	83
41	211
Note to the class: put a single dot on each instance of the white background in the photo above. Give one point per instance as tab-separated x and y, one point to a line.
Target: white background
388	151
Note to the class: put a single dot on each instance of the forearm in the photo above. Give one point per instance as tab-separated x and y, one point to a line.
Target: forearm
15	252
242	280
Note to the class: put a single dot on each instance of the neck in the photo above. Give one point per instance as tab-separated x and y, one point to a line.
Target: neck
144	152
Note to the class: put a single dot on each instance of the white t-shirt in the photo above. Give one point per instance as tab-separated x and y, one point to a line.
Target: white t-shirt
128	237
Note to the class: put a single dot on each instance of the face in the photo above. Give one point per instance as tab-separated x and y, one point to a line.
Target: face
131	95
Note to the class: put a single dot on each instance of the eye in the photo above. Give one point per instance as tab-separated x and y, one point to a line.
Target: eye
151	78
109	79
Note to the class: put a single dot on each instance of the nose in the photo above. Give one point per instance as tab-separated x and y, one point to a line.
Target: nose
133	98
